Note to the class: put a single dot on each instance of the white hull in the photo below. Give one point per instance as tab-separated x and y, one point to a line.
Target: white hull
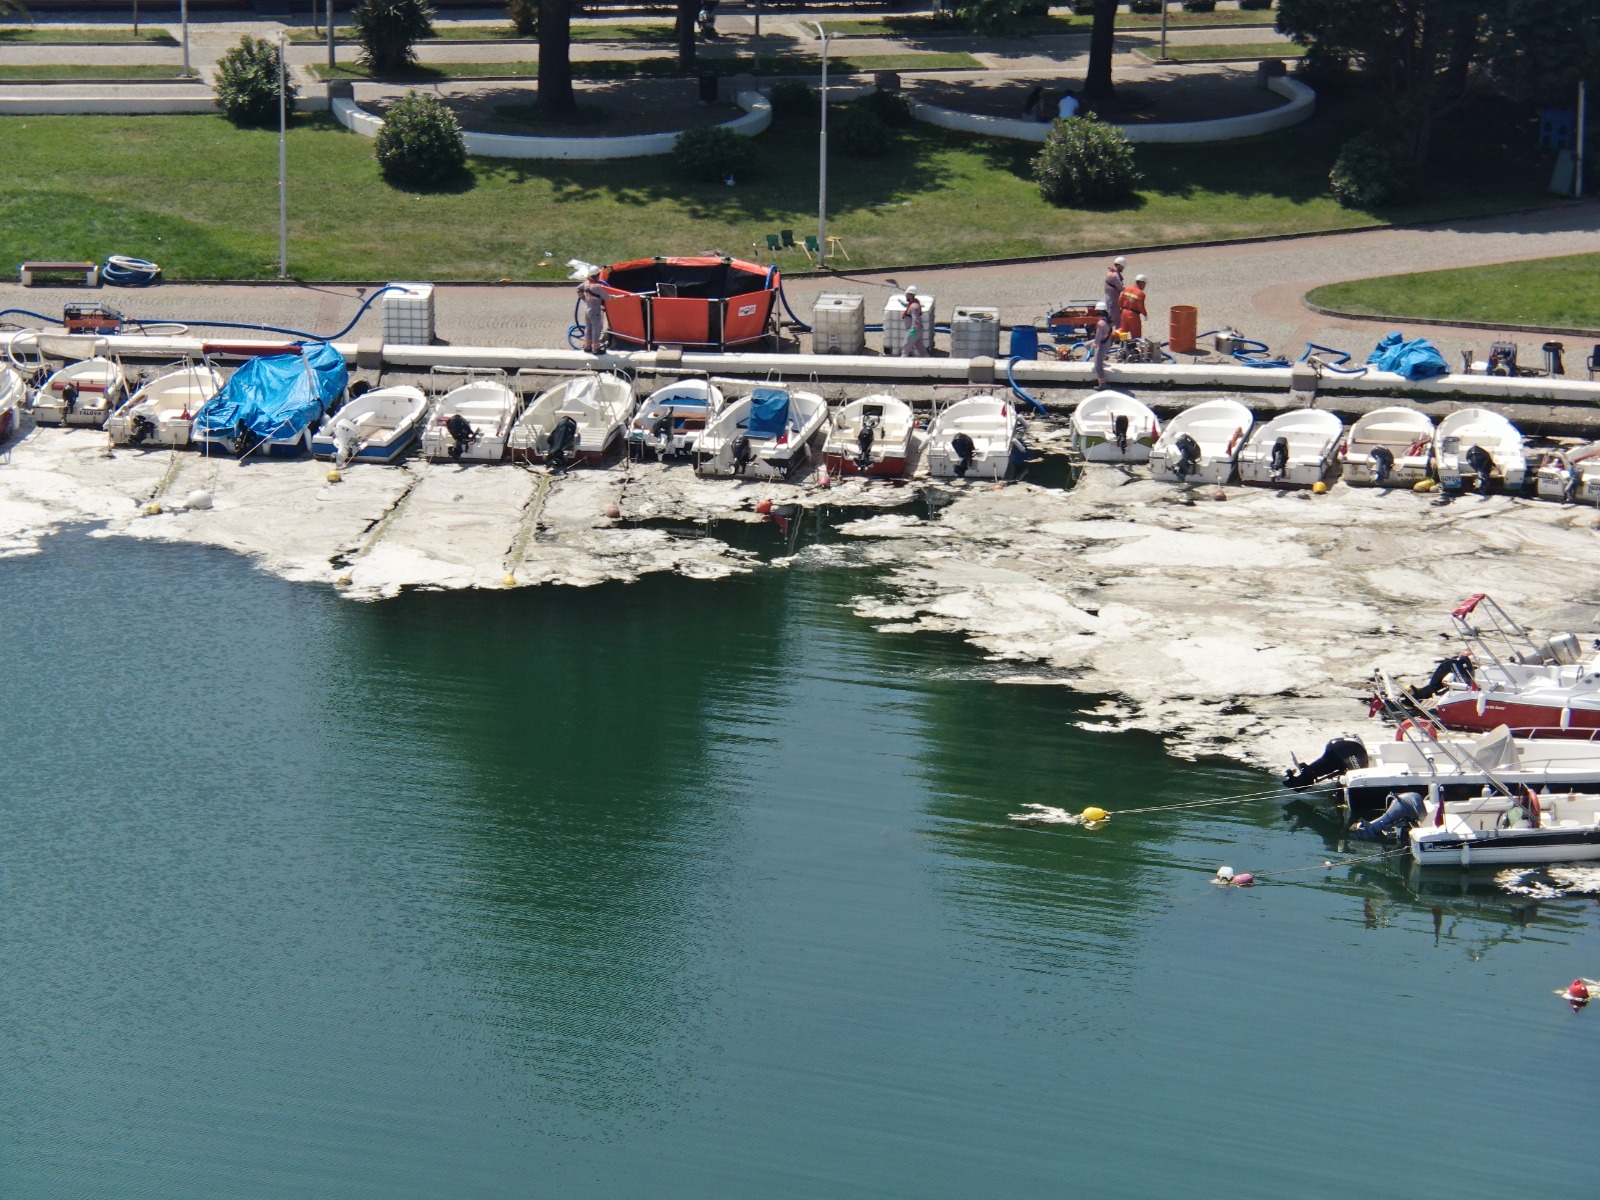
994	428
770	457
1401	435
1494	831
1219	427
1094	428
891	422
375	427
672	418
1310	442
168	404
488	406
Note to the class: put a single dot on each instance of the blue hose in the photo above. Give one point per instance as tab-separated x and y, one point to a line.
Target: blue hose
121	270
298	333
785	301
1011	379
1337	367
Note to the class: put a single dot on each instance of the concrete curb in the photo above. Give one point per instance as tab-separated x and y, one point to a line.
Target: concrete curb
1345	315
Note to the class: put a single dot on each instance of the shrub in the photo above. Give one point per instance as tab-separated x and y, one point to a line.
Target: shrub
1371	170
791	98
857	131
893	109
1199	6
420	143
1084	162
712	154
247	83
1255	5
524	16
1145	7
387	30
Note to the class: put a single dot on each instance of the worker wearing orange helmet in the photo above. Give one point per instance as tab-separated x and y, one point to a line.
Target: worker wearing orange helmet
1133	307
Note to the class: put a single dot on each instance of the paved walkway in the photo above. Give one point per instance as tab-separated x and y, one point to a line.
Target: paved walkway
1254	288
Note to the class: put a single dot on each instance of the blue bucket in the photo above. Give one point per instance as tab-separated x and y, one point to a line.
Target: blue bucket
1024	341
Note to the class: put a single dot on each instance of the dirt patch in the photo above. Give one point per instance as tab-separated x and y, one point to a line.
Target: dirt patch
609	108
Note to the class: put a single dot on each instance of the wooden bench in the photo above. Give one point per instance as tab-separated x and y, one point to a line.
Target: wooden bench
91	273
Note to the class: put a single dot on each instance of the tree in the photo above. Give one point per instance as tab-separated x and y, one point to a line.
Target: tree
555	57
1097	81
247	83
387	31
688	10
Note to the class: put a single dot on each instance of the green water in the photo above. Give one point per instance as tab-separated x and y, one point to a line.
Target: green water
686	889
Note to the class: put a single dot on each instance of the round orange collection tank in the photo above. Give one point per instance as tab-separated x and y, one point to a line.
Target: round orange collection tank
699	302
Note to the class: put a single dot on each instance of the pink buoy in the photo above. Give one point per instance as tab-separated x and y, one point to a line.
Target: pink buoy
824	480
1243	879
1219	494
613	512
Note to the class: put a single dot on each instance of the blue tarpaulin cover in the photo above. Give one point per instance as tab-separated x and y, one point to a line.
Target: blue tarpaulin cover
277	396
769	413
1417	359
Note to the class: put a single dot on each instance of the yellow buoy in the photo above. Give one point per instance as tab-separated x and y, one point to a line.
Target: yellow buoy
152	509
334	476
1318	488
1093	814
344	581
509	581
1422	485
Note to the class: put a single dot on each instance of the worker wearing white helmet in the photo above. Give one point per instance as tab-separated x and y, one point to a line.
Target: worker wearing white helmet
1102	341
912	347
592	295
1133	308
1114	289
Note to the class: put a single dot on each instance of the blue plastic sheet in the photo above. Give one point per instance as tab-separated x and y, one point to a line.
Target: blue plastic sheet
1418	359
769	413
277	396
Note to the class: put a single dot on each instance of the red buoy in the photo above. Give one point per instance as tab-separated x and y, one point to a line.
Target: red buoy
764	507
1578	990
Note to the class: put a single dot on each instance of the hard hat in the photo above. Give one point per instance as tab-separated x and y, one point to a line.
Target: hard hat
1119	261
594	272
911	289
1139	279
1100	306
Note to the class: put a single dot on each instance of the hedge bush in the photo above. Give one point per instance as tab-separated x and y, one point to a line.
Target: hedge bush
387	31
712	154
247	83
420	144
857	131
1199	6
1144	7
1371	170
524	17
1085	162
1255	5
791	98
893	109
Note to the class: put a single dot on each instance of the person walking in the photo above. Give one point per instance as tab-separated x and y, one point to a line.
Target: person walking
1113	300
913	342
592	295
1133	308
1102	339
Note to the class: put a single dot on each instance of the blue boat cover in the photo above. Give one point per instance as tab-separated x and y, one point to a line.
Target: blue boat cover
769	413
277	396
1415	360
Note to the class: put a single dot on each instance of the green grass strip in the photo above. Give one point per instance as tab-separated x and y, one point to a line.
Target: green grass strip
1546	292
100	71
1209	53
633	68
99	35
657	33
925	26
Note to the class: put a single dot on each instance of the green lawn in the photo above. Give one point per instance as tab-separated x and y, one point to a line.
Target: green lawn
1546	292
102	71
196	195
98	35
1234	50
504	33
929	26
620	68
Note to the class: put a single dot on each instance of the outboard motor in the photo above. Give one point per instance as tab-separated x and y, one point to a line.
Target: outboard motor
1119	431
743	455
69	398
1280	458
1480	461
1338	756
344	440
1382	463
563	440
1405	810
864	440
141	428
1188	456
1457	666
244	441
461	434
961	446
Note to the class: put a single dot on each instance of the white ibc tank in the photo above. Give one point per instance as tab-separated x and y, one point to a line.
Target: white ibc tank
975	332
408	314
894	324
839	324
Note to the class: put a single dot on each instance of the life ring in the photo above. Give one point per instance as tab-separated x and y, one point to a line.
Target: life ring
1234	440
1405	727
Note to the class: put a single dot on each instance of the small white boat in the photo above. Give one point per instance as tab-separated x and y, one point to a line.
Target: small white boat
976	438
1570	475
870	436
12	394
671	418
376	426
1528	828
1478	447
1111	426
1294	449
80	393
767	433
1202	443
162	411
1388	447
578	420
472	423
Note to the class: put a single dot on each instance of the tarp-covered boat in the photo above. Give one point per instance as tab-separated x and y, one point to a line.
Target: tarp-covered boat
271	404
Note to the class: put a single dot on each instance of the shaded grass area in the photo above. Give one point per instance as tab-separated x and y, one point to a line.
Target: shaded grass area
108	35
1235	50
195	194
592	32
1545	292
91	71
932	26
637	68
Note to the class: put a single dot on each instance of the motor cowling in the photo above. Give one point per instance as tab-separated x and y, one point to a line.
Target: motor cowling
1280	458
1405	810
964	449
864	440
1341	754
563	440
69	397
743	454
1119	431
140	429
1188	456
1481	461
1456	666
1382	463
461	434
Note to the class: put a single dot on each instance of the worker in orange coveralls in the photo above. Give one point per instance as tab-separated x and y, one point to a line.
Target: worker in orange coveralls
1133	308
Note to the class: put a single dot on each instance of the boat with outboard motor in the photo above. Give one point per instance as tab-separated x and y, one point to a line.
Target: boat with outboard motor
1570	474
472	422
769	433
1388	447
1202	443
976	438
671	419
1112	426
80	393
13	392
373	426
580	419
870	436
270	405
1480	447
1294	449
161	412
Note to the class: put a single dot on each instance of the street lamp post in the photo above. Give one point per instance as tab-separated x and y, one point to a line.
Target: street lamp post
184	17
1163	30
283	159
329	16
822	156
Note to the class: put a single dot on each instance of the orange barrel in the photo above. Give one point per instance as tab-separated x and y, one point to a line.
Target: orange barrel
1181	326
